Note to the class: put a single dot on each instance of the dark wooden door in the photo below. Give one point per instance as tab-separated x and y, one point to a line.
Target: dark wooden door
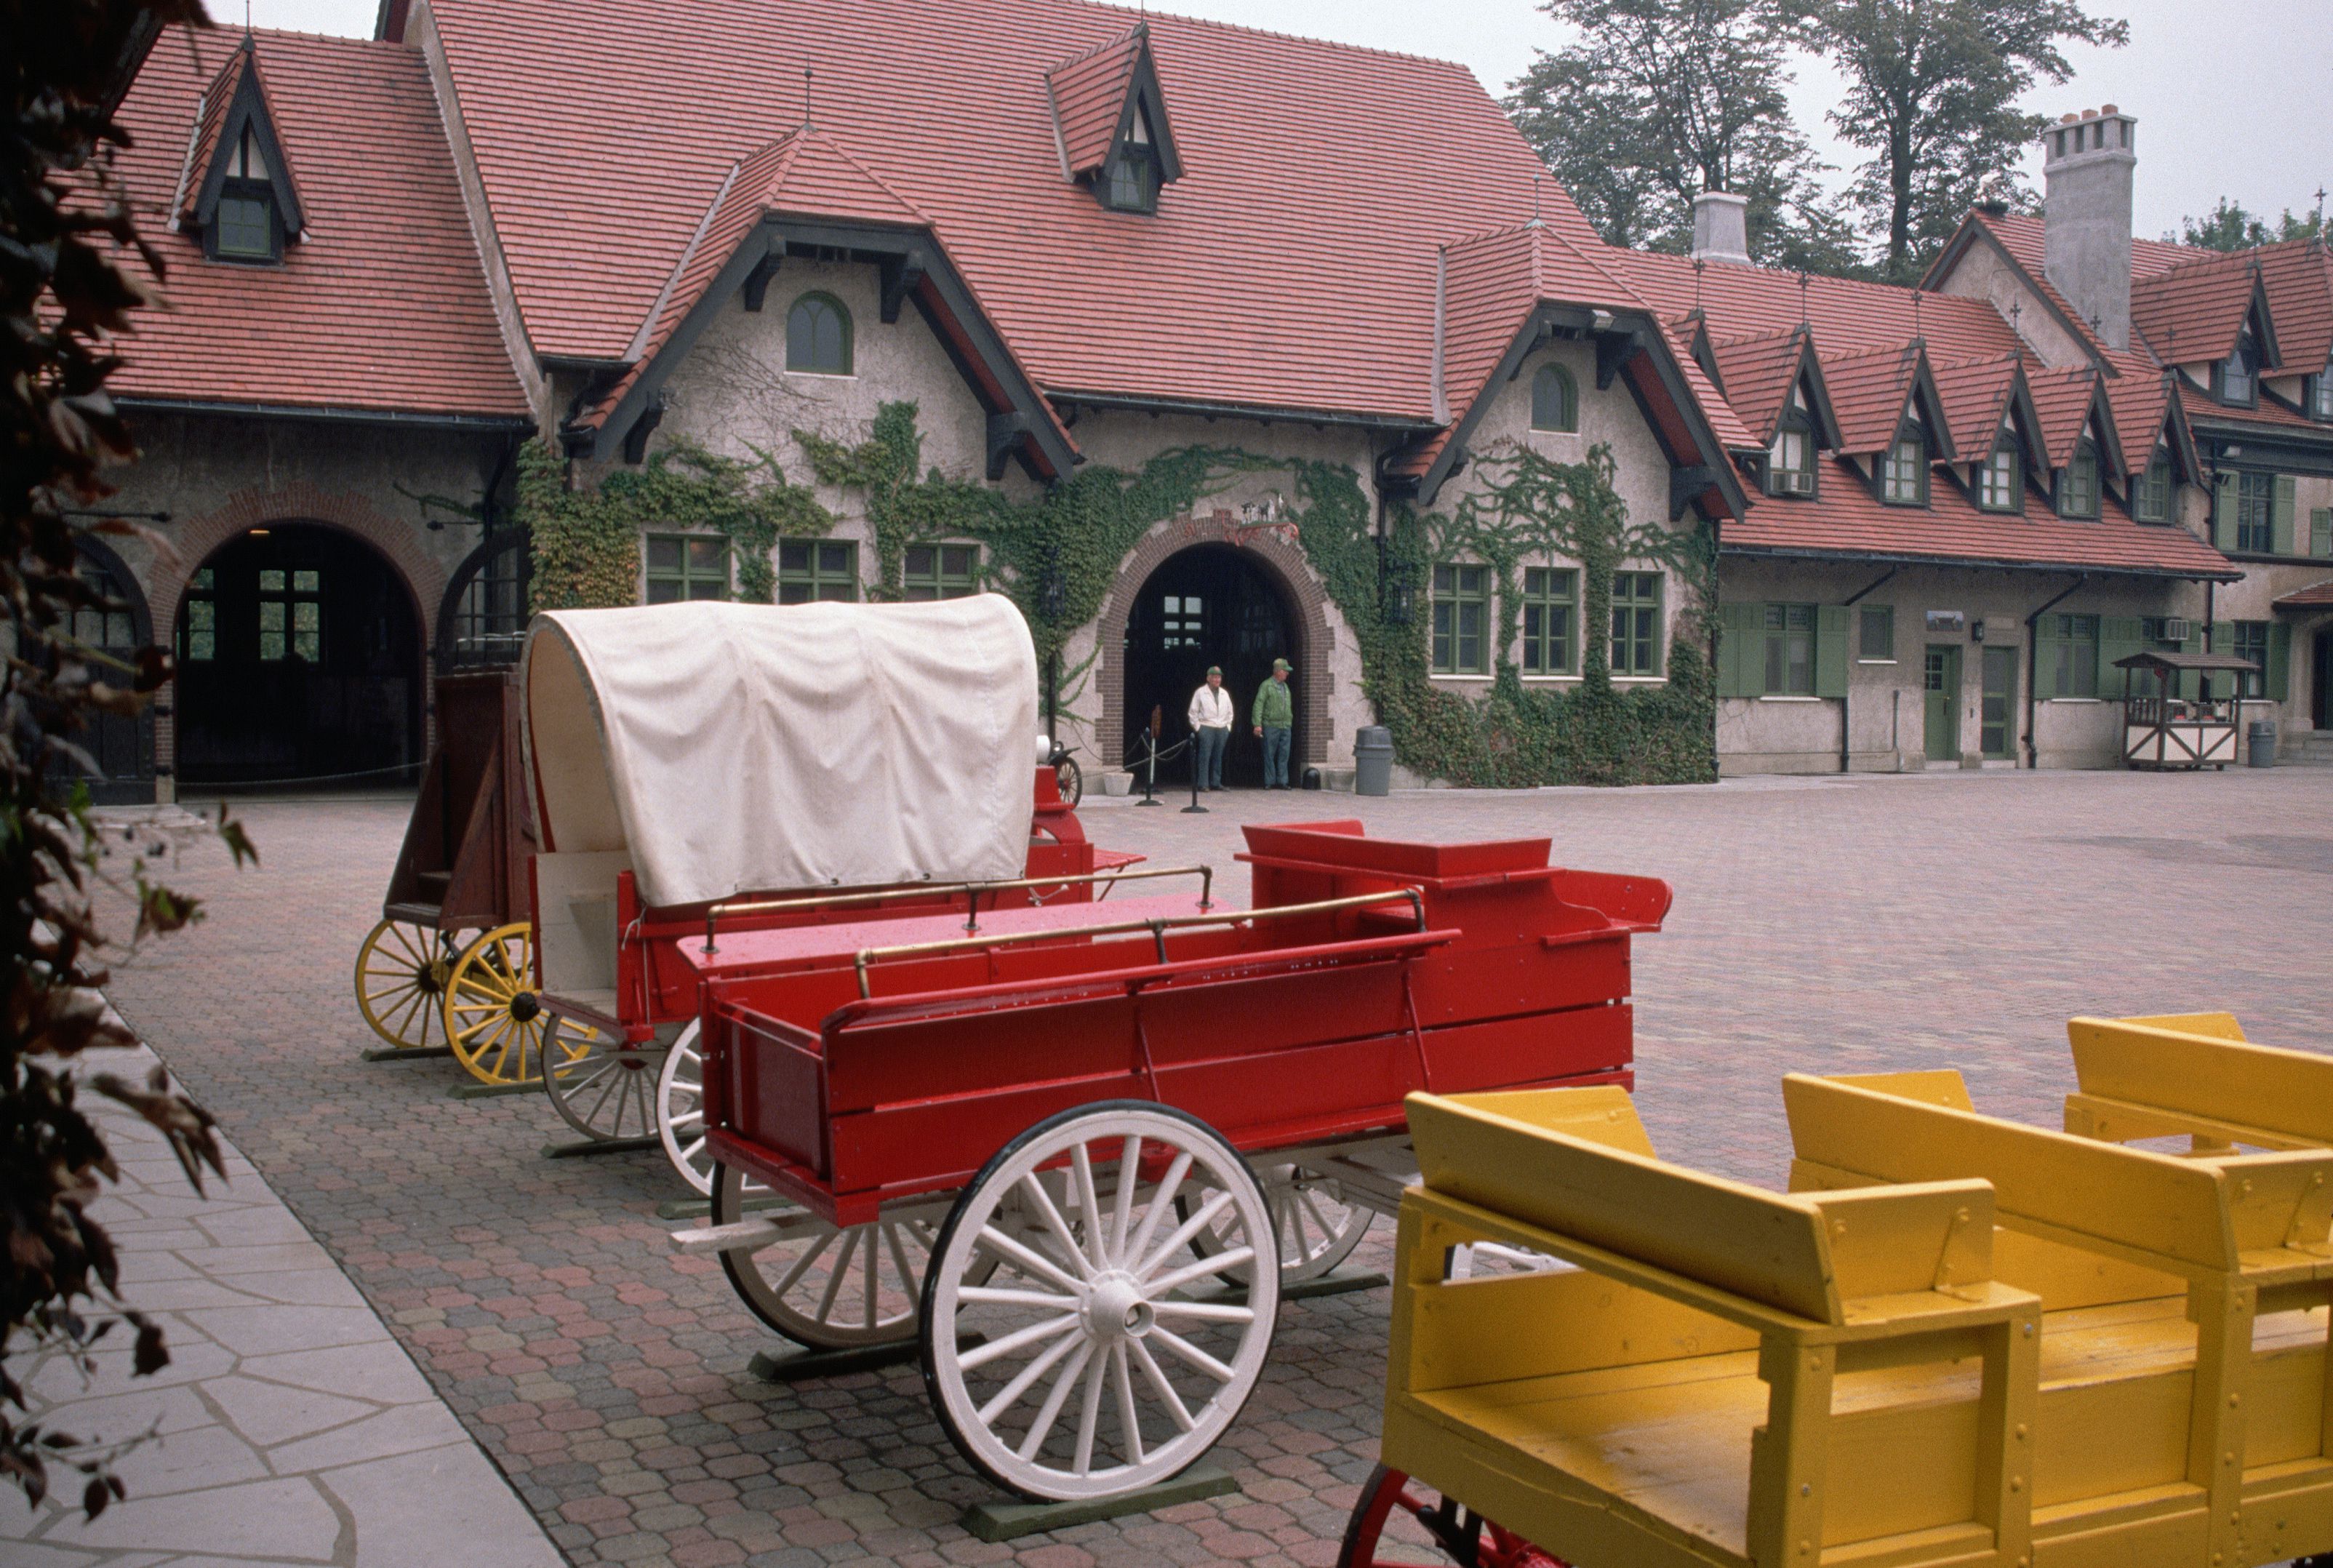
1941	680
1999	723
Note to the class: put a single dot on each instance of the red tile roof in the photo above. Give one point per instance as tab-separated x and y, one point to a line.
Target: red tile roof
382	305
1869	391
1268	276
2191	313
2268	413
2315	596
1757	373
1090	95
202	147
2064	400
2140	400
1724	423
1848	316
2298	276
1846	519
1975	394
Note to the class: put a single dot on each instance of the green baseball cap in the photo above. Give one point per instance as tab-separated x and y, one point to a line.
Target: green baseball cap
1214	669
1282	664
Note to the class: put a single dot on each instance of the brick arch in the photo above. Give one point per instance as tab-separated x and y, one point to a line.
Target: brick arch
1281	561
194	541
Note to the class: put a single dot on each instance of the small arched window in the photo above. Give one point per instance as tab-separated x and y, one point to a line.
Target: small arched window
818	336
1555	401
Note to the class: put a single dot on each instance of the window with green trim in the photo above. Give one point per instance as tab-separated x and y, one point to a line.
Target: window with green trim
1904	473
2001	485
1550	608
200	644
2077	486
2320	533
2069	656
1462	616
1555	399
2256	513
1790	650
2321	393
2252	642
941	571
1790	463
1875	632
2150	493
687	567
815	569
2239	373
818	336
1636	623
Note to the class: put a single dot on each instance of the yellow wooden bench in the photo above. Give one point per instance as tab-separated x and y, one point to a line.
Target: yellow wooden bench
2183	1414
2195	1075
1722	1375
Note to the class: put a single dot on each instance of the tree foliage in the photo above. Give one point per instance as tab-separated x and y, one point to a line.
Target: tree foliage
1656	100
2229	227
66	289
1931	93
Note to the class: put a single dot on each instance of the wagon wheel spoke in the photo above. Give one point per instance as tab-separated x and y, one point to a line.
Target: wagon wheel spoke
1157	1377
1058	1395
680	1111
820	1285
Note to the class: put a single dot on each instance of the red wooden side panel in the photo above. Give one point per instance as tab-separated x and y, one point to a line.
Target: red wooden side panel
1454	986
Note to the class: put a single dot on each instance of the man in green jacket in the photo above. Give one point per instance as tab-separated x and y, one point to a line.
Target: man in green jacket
1274	718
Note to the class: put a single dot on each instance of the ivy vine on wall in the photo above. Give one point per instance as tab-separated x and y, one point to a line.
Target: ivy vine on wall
1058	557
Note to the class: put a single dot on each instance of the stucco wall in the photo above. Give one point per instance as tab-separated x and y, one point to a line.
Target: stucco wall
2267	579
1886	699
1981	273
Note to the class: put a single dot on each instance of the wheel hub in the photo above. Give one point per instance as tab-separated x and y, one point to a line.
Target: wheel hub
525	1009
1116	1309
434	975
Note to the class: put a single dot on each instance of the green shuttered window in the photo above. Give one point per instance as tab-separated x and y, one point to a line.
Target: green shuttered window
1785	650
1461	614
2069	656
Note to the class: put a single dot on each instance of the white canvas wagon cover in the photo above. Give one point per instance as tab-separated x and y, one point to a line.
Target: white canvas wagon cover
749	747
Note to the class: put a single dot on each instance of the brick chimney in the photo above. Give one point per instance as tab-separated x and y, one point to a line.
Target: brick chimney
1721	227
2087	160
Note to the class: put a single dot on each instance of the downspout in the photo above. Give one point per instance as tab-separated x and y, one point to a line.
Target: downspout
2034	668
2205	686
1879	581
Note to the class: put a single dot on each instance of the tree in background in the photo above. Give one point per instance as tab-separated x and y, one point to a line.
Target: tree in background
65	235
1932	91
2229	228
1658	100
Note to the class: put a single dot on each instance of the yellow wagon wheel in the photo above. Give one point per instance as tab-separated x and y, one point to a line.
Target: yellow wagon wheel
493	1020
402	973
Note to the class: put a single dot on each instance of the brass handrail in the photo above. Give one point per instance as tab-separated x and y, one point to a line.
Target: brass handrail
1157	926
1206	875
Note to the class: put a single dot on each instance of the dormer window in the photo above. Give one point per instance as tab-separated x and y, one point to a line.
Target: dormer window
2239	373
2001	483
1790	463
1904	471
236	190
1110	115
2150	493
2321	393
247	226
1130	180
2077	486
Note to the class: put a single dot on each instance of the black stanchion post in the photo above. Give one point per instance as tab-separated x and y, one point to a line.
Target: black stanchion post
1198	765
1150	769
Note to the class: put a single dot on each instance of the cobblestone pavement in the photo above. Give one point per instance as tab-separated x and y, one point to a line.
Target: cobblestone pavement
1820	923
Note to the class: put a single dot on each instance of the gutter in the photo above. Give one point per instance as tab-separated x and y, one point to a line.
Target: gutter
1947	562
2033	666
1264	413
131	404
1876	583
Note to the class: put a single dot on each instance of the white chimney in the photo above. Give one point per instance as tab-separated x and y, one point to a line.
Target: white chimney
1721	226
2087	160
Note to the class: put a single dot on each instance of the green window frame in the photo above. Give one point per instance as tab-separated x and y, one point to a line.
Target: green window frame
810	570
290	615
1790	650
940	572
1462	617
2320	394
1904	472
683	566
200	642
1555	400
2069	656
1636	623
2150	493
2256	513
1790	462
2251	641
818	335
2077	486
2238	375
2320	533
1551	615
245	226
2001	483
1875	634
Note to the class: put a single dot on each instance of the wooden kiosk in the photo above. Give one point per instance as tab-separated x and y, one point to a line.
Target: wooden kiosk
2163	730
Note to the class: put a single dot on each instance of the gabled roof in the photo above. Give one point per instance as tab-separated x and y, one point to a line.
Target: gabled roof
2017	237
1089	93
1847	315
1723	422
1847	520
2192	313
2299	277
2315	596
233	105
1266	283
2146	415
1979	396
2069	402
1872	392
383	305
1494	282
1758	372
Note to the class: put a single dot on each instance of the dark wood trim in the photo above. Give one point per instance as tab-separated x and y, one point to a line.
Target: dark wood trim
756	286
248	110
901	275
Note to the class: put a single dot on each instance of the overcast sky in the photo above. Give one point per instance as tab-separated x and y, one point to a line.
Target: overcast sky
2230	96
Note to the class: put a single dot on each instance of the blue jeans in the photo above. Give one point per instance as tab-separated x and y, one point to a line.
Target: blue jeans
1208	754
1275	755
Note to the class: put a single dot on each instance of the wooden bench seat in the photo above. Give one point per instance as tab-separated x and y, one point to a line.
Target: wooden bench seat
2195	1075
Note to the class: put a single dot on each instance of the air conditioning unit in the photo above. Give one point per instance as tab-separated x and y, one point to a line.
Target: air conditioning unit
2177	630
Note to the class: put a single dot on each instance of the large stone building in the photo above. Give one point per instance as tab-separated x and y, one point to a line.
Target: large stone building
1076	241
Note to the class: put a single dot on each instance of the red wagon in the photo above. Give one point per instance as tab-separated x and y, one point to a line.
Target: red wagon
644	732
1097	1128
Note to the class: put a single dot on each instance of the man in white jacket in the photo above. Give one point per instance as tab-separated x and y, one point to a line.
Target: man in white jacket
1210	728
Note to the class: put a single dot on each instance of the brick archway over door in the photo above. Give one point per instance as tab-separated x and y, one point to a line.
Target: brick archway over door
1281	561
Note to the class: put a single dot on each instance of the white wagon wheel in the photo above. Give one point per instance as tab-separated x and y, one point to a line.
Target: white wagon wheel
1097	1299
819	1286
1317	1229
602	1087
680	1110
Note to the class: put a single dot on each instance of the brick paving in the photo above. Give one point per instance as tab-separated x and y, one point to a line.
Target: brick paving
1821	924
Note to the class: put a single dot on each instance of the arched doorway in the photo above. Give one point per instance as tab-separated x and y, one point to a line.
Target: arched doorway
299	659
121	747
1209	604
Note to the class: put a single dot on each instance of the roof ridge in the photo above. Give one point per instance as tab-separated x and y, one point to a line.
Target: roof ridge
1331	46
1140	30
803	137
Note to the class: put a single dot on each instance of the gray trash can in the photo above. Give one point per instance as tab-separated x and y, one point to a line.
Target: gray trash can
2260	743
1373	761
